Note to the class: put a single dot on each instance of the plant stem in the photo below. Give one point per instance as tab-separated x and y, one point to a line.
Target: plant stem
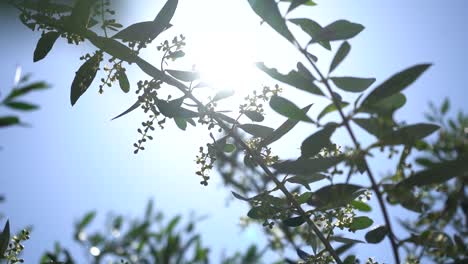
375	187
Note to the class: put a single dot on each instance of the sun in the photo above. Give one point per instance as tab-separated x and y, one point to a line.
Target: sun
226	60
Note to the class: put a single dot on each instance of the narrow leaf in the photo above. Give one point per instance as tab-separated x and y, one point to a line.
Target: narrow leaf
254	116
295	3
395	84
333	196
307	166
288	109
45	44
312	145
377	234
257	130
438	173
130	109
9	121
361	222
352	84
305	180
301	79
312	28
4	238
186	76
283	129
294	221
408	134
269	12
338	30
181	123
331	108
223	94
21	106
36	86
340	55
123	82
84	77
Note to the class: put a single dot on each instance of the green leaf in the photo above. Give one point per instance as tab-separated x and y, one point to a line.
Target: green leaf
361	222
377	234
312	28
269	12
312	145
395	84
307	166
352	84
36	86
86	220
45	44
4	239
350	260
295	3
229	148
262	212
301	79
340	55
254	116
181	123
438	173
172	109
130	109
288	109
294	221
283	129
240	197
167	12
257	130
374	126
445	106
21	106
80	15
345	240
123	82
84	77
140	32
361	206
331	108
185	76
223	94
386	106
305	180
338	30
408	134
333	196
9	121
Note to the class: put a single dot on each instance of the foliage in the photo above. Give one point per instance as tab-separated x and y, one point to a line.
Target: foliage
148	239
317	221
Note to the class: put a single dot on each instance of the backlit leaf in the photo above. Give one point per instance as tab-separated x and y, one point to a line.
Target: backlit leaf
294	221
254	116
257	130
123	82
305	180
288	109
84	77
9	121
331	108
312	145
395	84
186	76
283	129
180	122
142	31
312	28
44	45
340	55
438	173
130	109
338	30
295	3
377	234
333	196
36	86
21	106
4	238
301	79
86	220
408	134
352	84
307	166
269	12
223	94
361	222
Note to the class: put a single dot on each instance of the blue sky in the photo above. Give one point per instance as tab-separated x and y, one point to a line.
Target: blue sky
75	159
